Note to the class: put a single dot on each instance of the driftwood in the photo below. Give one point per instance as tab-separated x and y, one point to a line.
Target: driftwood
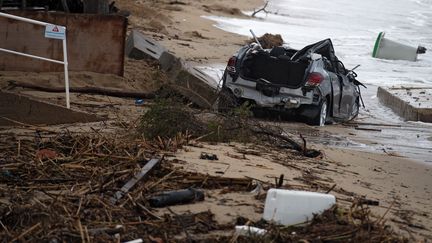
264	131
84	90
263	9
311	153
368	129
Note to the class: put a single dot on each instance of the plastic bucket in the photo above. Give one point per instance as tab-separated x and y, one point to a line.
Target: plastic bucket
289	207
388	49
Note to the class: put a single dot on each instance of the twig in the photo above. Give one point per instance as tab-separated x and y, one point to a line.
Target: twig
79	207
148	211
81	230
19	147
26	232
331	189
161	180
263	9
388	209
5	228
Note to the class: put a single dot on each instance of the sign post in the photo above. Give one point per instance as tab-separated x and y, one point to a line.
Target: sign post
59	32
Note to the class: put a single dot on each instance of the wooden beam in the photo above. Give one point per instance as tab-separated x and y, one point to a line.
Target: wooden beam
131	183
85	90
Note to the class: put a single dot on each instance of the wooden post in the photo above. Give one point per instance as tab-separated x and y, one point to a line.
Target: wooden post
96	6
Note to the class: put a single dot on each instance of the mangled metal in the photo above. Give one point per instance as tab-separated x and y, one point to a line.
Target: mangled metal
311	82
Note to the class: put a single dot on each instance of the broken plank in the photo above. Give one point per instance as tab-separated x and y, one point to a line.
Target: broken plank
131	183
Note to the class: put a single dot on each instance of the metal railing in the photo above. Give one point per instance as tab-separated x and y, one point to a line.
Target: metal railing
62	37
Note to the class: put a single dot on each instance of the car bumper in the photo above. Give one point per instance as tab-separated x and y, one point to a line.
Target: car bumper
287	98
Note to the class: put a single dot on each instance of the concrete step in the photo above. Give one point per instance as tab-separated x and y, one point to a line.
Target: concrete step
411	103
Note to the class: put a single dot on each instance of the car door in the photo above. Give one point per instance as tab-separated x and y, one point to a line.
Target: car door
348	98
344	97
336	93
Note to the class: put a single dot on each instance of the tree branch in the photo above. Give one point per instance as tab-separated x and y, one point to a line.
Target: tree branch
261	9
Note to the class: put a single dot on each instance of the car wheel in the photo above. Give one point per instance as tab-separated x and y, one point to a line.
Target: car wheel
321	117
226	100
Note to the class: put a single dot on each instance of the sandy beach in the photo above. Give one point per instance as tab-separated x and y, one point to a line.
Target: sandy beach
391	180
401	185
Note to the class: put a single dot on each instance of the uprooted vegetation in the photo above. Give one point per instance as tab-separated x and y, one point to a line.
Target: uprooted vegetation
168	119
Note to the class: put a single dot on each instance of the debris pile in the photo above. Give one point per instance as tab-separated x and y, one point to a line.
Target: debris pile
334	225
269	41
60	188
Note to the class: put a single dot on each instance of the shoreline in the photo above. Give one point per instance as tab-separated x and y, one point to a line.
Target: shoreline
383	177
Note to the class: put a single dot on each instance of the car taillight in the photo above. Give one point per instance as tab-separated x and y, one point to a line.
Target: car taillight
314	79
231	65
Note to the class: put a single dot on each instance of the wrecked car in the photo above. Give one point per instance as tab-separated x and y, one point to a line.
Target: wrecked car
310	83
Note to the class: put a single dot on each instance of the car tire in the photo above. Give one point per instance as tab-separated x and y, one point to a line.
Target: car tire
321	116
226	100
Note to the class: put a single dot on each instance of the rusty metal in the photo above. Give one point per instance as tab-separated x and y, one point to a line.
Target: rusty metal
95	43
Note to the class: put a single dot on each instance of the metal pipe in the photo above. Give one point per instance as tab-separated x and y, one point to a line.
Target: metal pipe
32	21
66	72
256	39
32	56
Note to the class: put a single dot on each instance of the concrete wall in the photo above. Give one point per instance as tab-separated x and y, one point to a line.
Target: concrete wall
402	107
30	111
95	43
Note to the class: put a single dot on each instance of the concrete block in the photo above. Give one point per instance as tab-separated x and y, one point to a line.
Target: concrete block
411	103
196	86
139	46
30	111
187	80
170	63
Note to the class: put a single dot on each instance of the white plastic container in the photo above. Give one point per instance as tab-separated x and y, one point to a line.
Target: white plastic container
289	207
249	230
392	50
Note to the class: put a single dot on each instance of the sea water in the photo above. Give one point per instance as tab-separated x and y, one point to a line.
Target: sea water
353	27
